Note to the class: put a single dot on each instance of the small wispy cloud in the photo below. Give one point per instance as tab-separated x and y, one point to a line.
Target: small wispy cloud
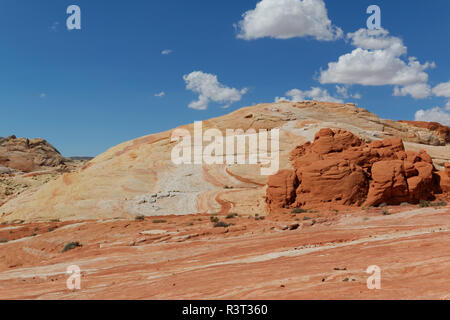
42	95
166	52
160	94
54	26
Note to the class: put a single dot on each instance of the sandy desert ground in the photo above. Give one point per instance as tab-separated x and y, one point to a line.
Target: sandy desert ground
281	257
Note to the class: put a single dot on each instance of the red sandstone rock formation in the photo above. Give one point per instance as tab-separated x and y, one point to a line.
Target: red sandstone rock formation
441	131
444	179
28	155
340	168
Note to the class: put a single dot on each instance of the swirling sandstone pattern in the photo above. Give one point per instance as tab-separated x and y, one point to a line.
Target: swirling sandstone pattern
139	178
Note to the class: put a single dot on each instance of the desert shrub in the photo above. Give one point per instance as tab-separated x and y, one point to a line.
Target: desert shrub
231	215
424	203
298	210
221	224
159	221
382	205
439	204
3	240
214	219
140	218
71	246
260	218
385	212
404	204
306	218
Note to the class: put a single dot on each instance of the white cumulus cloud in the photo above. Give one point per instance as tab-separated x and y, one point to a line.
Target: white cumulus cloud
442	90
343	92
315	93
284	19
378	60
210	89
160	94
436	114
165	52
417	90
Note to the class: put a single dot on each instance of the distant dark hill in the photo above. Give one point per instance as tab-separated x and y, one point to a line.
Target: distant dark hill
81	158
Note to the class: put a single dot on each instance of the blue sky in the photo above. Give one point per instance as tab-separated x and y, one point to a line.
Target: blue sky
90	89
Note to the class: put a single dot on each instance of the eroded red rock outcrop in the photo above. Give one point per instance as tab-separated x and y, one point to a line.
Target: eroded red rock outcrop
339	168
28	155
444	179
441	131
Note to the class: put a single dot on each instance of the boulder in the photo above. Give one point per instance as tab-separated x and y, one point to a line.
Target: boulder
444	179
332	180
339	168
28	155
389	184
443	132
282	191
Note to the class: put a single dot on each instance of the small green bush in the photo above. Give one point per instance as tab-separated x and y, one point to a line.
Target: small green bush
439	204
214	219
405	204
424	204
221	224
71	246
385	212
139	218
159	221
306	218
3	240
298	210
231	216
